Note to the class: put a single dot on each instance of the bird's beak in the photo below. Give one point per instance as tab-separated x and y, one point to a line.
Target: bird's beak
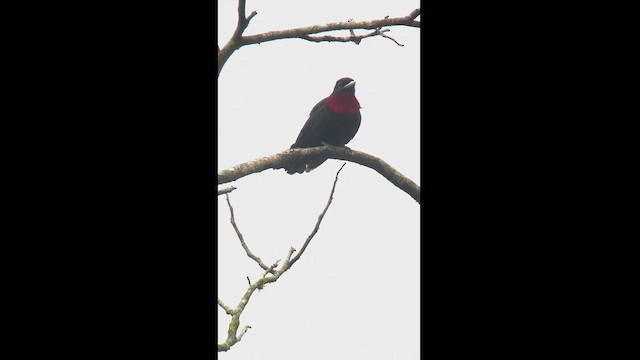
351	84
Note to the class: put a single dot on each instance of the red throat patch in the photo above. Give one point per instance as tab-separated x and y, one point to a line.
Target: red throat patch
343	103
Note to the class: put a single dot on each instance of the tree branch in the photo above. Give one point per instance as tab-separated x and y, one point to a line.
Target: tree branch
281	159
238	40
302	32
244	245
232	338
289	264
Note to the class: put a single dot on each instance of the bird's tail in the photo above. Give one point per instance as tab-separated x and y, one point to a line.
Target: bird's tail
297	168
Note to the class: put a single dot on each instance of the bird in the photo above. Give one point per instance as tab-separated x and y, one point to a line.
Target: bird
333	121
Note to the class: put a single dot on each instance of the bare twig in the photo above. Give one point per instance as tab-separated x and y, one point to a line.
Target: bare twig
320	217
283	158
381	33
353	34
226	190
244	245
246	327
288	261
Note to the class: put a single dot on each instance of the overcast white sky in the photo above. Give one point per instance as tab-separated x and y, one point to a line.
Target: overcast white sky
354	294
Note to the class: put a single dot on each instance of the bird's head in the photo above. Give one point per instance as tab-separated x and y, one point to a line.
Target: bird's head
345	85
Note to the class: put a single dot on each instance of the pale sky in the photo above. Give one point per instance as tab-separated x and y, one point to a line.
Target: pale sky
355	293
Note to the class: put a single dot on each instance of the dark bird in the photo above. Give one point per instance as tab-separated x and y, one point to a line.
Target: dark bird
333	121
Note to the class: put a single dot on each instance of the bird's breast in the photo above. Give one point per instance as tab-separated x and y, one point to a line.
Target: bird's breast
343	103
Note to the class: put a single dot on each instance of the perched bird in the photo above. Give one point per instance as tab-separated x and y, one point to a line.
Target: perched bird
333	121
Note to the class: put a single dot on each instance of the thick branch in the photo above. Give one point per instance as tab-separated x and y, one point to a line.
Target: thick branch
281	159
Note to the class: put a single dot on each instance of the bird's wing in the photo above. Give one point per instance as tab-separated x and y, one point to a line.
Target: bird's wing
320	104
308	136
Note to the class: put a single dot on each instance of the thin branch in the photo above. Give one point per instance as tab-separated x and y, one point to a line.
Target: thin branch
226	309
354	38
246	327
351	30
317	227
279	160
380	32
226	190
244	245
288	261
